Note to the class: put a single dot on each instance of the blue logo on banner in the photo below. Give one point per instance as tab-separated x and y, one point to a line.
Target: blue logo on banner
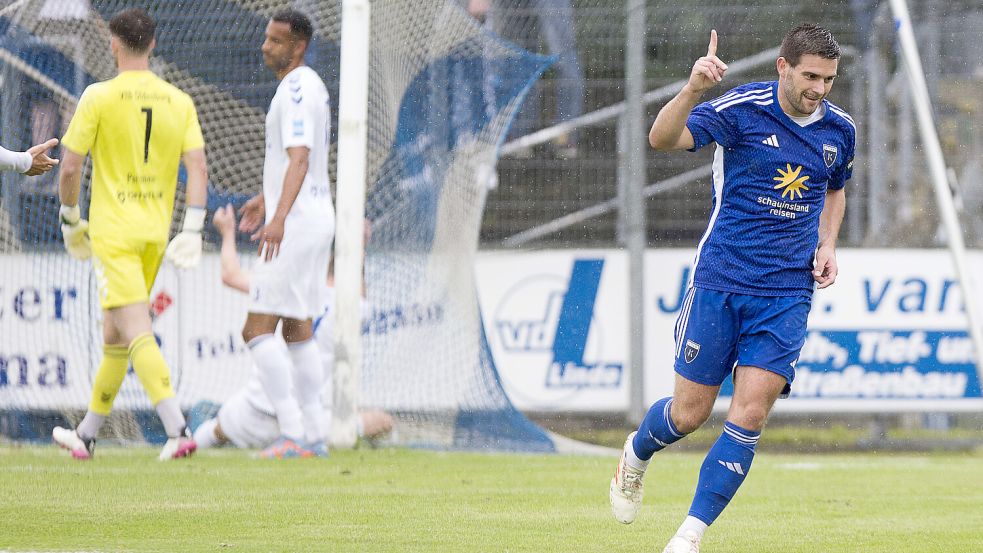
561	328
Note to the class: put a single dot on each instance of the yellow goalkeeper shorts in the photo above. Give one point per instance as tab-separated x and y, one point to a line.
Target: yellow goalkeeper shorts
125	269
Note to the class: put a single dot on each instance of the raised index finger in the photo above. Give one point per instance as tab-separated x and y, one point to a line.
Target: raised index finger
712	48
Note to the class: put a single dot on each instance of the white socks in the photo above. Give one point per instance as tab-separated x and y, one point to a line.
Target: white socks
308	384
692	524
634	461
275	368
90	425
169	411
205	434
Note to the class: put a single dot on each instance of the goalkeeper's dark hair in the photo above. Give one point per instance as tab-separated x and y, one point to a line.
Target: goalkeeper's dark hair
300	24
809	39
135	28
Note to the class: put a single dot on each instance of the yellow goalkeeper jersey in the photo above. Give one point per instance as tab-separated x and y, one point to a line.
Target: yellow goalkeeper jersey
136	127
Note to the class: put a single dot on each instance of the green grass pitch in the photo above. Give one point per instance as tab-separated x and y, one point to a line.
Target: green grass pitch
390	500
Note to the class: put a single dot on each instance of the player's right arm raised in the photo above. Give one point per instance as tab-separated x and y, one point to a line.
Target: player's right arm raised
232	274
669	131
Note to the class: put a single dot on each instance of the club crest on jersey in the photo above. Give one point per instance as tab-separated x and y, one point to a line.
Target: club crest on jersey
691	350
829	155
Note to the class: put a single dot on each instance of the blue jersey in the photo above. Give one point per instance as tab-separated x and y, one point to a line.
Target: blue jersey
770	177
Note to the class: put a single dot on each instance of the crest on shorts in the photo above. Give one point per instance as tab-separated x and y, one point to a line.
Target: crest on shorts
829	154
691	350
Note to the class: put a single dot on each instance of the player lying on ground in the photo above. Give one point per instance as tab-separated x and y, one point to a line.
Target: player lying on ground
247	419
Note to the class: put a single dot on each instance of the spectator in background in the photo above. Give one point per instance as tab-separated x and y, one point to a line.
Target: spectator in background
530	23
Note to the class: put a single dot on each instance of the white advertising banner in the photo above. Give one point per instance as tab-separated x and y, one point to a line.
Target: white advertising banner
556	325
889	335
50	350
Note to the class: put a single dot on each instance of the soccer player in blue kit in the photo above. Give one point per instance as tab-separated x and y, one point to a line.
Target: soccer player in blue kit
783	155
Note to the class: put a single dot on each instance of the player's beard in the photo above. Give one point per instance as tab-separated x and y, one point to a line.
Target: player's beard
276	63
797	99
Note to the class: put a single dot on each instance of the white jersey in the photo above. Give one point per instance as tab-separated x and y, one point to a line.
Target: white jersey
299	116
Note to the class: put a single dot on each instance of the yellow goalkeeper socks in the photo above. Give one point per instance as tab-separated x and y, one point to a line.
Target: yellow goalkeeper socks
109	378
151	368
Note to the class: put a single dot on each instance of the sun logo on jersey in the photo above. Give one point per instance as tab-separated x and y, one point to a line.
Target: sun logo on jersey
790	182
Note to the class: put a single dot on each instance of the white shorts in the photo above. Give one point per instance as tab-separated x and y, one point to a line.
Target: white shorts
244	424
292	283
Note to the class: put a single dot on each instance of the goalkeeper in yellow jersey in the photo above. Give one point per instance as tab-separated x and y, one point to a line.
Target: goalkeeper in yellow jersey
137	127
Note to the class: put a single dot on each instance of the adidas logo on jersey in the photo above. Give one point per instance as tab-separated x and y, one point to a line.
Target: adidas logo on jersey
733	467
771	141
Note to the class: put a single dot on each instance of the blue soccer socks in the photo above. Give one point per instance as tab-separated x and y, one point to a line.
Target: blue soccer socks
656	431
723	471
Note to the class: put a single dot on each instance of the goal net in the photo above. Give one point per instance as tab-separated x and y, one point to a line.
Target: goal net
442	92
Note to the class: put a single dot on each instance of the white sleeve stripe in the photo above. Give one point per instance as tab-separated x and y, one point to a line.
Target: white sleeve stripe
764	96
840	112
724	98
733	95
844	115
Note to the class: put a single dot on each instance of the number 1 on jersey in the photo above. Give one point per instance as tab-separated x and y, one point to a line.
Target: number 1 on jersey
149	112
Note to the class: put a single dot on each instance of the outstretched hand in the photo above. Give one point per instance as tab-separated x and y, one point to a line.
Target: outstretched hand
708	70
40	162
253	214
224	220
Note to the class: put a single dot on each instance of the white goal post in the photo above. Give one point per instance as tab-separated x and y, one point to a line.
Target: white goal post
940	179
352	151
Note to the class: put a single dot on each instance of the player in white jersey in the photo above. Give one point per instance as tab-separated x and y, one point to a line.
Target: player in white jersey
295	241
247	419
34	161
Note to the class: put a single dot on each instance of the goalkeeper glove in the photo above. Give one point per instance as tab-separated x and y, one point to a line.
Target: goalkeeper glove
75	232
184	251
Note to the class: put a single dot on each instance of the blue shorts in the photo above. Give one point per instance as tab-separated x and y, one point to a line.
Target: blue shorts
717	331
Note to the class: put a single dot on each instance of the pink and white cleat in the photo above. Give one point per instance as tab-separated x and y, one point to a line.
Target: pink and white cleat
176	448
69	439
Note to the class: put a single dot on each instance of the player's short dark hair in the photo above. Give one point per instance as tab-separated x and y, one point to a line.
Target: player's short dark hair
134	27
809	39
300	24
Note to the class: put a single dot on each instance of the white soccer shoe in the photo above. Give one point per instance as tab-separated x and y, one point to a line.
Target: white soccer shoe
626	488
175	448
687	543
69	439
